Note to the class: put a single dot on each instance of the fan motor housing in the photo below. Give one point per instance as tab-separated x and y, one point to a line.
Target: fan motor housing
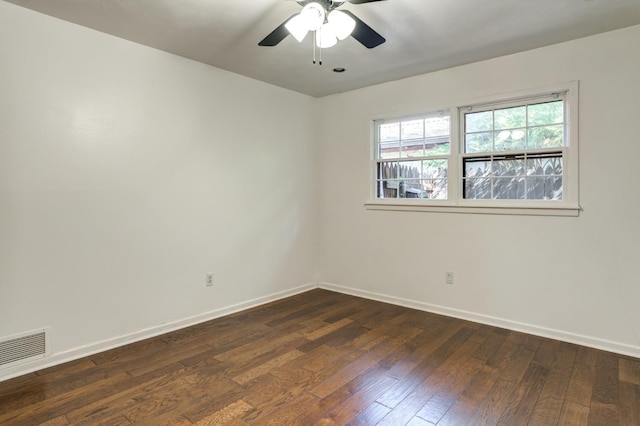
327	4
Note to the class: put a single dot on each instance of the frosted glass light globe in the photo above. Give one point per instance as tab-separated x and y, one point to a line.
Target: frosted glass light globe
313	16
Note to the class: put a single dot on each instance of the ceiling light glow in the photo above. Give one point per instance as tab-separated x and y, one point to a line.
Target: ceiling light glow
313	15
297	27
326	37
343	24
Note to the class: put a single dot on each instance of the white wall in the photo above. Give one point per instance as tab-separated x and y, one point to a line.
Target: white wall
574	278
127	173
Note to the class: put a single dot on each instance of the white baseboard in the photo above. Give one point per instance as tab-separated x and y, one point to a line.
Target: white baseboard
104	345
564	336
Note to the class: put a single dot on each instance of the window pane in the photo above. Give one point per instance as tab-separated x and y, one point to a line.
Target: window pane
413	129
410	169
508	167
477	188
546	137
478	121
546	113
439	148
434	169
414	179
509	140
437	126
388	189
412	148
436	189
510	118
479	142
544	188
412	135
544	166
388	170
477	168
389	150
389	132
508	188
437	139
411	188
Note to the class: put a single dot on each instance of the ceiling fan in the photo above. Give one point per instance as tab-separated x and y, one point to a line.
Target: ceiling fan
327	24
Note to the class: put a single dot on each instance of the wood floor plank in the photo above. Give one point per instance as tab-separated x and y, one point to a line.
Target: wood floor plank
367	362
337	405
403	360
494	404
417	421
580	387
447	395
407	370
629	403
58	421
122	398
320	358
264	368
574	414
267	388
549	406
602	414
523	400
371	415
605	389
61	404
546	353
517	365
456	350
629	371
324	358
489	346
467	404
587	355
226	415
364	395
283	411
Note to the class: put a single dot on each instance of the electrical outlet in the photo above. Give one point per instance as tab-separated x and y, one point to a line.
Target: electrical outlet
209	279
448	277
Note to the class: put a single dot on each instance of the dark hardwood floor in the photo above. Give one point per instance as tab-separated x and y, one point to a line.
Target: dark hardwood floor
331	359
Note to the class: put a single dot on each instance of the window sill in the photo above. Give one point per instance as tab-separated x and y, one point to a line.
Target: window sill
443	207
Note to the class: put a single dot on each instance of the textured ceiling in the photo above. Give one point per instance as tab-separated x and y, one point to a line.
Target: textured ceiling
422	35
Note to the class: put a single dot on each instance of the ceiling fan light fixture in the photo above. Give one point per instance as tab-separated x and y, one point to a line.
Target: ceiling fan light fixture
297	27
313	15
326	37
343	24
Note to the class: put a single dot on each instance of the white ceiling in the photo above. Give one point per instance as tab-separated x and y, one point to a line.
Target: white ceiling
422	35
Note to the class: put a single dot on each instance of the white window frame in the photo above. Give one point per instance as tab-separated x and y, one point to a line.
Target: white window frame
423	116
568	206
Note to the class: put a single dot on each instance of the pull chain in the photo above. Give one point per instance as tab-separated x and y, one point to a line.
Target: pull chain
315	41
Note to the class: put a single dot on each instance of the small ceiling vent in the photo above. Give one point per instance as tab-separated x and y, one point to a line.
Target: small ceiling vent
23	347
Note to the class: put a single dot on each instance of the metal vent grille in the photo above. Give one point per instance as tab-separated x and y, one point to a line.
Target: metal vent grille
22	348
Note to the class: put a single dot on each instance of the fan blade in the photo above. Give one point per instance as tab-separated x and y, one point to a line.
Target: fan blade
277	35
364	33
362	1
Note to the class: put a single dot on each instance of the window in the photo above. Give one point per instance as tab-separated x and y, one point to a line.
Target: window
514	152
514	155
412	157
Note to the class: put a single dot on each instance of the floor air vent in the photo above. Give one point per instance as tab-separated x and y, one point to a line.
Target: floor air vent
23	347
